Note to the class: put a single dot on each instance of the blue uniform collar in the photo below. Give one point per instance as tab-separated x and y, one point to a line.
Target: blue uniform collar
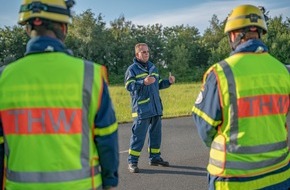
42	44
253	45
149	68
140	62
144	66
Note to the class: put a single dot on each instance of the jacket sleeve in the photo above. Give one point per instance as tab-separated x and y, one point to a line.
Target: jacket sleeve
1	154
131	82
1	144
106	140
164	83
207	113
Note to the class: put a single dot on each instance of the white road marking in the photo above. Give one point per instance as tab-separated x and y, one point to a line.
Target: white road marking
124	151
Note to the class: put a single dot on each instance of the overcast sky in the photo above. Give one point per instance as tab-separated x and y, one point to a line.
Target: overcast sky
195	13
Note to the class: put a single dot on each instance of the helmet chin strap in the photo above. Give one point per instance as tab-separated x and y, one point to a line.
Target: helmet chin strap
242	35
237	40
49	25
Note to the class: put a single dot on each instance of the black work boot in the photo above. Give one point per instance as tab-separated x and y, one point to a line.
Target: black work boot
133	168
160	162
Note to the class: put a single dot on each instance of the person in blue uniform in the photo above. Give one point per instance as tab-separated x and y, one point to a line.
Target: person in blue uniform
143	82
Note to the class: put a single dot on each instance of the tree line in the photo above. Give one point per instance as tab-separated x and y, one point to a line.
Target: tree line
181	50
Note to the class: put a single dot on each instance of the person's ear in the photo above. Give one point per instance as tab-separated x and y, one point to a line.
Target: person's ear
64	29
28	30
233	36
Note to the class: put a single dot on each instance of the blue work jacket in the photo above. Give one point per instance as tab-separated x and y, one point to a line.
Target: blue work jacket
145	99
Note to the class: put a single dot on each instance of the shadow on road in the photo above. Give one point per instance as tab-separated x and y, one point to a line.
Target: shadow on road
184	170
187	167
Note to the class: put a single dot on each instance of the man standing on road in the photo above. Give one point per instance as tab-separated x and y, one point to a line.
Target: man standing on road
143	82
242	109
57	124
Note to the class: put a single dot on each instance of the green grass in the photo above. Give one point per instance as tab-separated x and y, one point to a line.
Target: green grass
177	101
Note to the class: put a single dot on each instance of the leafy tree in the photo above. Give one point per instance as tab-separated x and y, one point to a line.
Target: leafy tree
214	33
120	49
179	62
87	36
221	52
213	40
278	38
12	43
179	49
188	40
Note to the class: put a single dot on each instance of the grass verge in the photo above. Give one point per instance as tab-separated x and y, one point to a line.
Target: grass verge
177	101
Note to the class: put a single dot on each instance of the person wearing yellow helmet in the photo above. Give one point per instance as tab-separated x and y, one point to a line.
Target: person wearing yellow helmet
245	20
55	10
46	14
58	128
241	110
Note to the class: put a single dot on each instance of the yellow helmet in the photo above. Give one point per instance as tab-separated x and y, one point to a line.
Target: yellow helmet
244	16
55	10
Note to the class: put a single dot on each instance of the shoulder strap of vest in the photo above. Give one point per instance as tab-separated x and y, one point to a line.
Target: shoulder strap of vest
87	95
88	83
233	100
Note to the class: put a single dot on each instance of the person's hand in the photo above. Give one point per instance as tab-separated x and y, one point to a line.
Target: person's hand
171	78
149	80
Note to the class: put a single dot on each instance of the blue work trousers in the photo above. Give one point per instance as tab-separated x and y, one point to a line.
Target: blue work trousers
139	131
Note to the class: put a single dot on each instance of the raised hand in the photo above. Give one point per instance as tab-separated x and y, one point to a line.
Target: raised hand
171	78
149	80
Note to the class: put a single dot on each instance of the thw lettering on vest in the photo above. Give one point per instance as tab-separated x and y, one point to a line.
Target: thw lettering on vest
263	105
42	121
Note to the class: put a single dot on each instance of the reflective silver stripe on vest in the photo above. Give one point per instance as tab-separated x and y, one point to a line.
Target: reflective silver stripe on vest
46	177
85	172
251	149
87	95
234	126
248	165
233	146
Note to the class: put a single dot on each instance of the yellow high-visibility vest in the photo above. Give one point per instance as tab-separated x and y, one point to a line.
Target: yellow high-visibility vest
252	139
48	122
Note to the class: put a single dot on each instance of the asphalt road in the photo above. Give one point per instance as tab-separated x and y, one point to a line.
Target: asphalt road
181	146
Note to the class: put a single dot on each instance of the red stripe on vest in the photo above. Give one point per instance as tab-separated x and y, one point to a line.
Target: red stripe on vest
263	105
42	121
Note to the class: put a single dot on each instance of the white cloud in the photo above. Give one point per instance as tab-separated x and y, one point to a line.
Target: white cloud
199	16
